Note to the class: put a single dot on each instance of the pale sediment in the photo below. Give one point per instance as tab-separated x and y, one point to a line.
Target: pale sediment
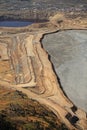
68	53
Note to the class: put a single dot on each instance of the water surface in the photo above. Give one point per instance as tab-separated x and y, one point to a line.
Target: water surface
14	23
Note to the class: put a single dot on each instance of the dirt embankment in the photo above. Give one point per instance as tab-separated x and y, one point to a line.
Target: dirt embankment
25	66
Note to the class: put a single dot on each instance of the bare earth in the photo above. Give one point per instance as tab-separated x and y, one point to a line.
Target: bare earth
25	67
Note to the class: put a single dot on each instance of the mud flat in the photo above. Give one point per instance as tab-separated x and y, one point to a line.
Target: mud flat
68	51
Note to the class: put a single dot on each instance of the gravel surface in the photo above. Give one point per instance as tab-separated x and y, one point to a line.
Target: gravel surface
68	51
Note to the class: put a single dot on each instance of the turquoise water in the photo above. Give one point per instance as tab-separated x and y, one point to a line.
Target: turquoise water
14	23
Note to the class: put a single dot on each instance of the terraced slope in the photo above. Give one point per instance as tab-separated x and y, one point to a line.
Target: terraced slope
26	67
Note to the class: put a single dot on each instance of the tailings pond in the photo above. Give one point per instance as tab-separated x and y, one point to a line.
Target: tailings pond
68	51
14	23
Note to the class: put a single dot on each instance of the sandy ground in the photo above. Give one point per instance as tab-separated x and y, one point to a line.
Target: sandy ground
68	50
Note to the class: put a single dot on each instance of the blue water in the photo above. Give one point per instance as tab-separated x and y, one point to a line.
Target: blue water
14	23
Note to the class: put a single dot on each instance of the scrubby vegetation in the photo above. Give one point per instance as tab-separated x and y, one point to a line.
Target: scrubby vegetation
20	113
